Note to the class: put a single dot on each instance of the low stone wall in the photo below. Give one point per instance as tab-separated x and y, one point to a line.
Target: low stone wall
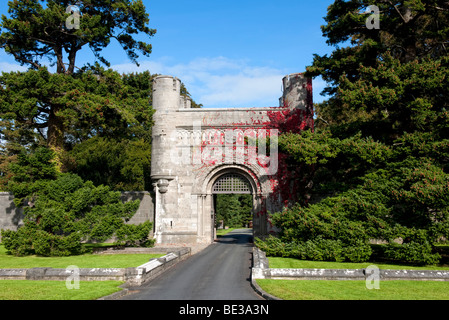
85	274
261	270
132	276
353	274
260	264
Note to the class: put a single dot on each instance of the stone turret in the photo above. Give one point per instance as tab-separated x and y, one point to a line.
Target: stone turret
166	93
295	94
166	100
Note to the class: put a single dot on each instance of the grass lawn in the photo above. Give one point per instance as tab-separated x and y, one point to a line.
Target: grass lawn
55	290
222	232
82	261
352	289
355	290
278	262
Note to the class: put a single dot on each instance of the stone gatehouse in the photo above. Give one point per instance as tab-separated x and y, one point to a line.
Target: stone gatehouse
198	153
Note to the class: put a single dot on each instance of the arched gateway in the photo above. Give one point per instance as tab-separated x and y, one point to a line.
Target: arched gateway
197	153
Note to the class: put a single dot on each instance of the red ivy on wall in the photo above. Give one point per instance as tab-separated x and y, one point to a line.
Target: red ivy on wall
288	181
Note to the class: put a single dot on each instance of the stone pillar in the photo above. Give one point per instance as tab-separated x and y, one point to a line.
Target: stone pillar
158	214
200	223
207	221
260	223
160	189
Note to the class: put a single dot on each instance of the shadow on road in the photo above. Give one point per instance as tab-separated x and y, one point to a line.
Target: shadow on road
238	236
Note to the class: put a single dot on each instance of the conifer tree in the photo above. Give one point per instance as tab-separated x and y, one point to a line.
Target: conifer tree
38	31
378	160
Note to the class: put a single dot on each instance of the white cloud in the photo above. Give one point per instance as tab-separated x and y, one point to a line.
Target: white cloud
9	67
243	89
219	81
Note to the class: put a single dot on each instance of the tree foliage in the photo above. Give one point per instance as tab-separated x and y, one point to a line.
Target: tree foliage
35	31
62	211
234	209
377	161
94	103
120	164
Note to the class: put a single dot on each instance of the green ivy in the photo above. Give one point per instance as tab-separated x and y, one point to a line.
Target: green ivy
68	211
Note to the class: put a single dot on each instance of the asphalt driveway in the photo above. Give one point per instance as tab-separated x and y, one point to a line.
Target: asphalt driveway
221	271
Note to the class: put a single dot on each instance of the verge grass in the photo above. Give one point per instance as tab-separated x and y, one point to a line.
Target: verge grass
355	290
278	262
223	232
88	260
55	290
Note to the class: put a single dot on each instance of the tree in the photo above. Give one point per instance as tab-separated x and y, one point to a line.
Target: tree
234	209
91	102
378	163
62	211
409	31
34	32
121	164
364	189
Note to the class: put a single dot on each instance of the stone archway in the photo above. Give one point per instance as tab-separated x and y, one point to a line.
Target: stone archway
239	180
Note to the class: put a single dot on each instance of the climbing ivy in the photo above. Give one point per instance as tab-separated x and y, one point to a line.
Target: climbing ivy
63	211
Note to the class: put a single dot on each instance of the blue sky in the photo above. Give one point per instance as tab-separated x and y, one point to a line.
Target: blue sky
228	53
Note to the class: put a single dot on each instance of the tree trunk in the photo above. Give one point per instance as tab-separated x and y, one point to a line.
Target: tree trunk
55	133
55	136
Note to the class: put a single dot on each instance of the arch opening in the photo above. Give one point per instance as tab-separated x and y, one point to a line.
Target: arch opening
231	183
232	202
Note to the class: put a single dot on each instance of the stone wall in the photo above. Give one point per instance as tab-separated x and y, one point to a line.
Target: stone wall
11	217
146	208
261	270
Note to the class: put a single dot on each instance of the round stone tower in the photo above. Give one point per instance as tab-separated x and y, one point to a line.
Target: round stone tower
166	99
166	93
294	91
